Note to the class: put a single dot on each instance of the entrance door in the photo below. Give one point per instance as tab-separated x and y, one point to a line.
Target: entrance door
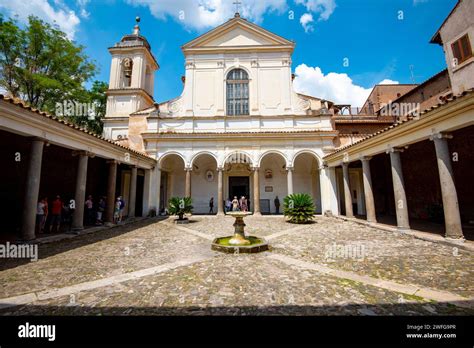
239	186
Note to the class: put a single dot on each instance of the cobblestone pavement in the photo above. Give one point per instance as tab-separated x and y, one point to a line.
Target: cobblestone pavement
115	272
382	254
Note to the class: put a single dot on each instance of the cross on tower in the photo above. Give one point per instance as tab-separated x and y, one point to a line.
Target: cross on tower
237	3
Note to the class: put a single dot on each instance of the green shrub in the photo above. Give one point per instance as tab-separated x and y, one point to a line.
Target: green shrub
299	207
179	206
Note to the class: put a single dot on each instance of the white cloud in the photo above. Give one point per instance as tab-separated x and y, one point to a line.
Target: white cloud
306	21
202	14
65	18
388	82
324	8
82	4
336	87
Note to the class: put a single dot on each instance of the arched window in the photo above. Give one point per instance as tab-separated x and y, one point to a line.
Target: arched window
237	92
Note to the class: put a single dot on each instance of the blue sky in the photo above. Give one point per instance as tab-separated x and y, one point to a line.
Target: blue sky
376	40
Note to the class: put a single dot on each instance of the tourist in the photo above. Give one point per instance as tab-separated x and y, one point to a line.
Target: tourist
89	210
41	214
211	206
122	207
243	204
56	209
66	215
277	205
117	211
228	205
100	211
235	204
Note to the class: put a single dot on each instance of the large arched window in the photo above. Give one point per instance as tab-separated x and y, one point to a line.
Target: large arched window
237	92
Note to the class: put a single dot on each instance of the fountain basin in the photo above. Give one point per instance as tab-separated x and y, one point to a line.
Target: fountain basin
254	245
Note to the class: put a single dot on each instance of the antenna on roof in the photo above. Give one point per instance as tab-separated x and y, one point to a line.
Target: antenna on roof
412	73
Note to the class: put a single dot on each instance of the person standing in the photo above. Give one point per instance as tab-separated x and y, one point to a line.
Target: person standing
211	206
243	204
117	211
41	209
228	205
100	210
122	207
56	209
277	205
89	210
66	216
235	204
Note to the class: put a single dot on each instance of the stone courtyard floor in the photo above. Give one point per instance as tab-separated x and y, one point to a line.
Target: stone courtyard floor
330	267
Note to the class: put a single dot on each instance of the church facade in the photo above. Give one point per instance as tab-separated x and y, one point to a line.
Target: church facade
237	129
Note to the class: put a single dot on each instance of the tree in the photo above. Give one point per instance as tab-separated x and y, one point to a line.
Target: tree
41	66
96	100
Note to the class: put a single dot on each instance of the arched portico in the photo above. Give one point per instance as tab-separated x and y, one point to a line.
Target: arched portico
173	176
204	182
306	176
273	181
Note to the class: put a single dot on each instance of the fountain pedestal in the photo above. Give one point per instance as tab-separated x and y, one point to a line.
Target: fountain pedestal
239	226
239	243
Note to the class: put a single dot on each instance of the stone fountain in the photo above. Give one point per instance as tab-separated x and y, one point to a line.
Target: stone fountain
239	243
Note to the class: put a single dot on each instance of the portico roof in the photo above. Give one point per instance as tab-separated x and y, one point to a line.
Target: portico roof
35	121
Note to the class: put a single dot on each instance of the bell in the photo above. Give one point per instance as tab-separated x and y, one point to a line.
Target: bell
127	68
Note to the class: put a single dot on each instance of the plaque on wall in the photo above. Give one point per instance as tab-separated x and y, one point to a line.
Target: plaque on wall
210	175
268	188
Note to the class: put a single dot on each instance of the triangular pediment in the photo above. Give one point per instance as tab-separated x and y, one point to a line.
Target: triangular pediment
236	33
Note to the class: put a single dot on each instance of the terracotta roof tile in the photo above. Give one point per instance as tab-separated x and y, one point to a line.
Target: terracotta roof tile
25	106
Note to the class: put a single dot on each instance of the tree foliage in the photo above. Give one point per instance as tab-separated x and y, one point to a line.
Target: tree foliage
41	66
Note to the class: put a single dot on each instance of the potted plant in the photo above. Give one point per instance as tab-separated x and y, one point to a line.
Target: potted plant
299	208
179	206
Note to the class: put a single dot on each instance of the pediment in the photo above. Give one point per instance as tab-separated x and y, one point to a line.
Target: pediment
238	32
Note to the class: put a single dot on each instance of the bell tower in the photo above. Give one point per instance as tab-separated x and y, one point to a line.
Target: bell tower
131	82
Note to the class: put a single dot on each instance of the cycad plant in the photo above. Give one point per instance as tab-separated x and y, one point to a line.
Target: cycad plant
299	207
179	206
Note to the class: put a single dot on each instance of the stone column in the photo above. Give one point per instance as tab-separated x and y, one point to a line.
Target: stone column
329	200
452	216
111	183
188	182
220	191
133	192
256	191
32	185
368	192
80	193
347	190
289	178
157	191
401	207
146	193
